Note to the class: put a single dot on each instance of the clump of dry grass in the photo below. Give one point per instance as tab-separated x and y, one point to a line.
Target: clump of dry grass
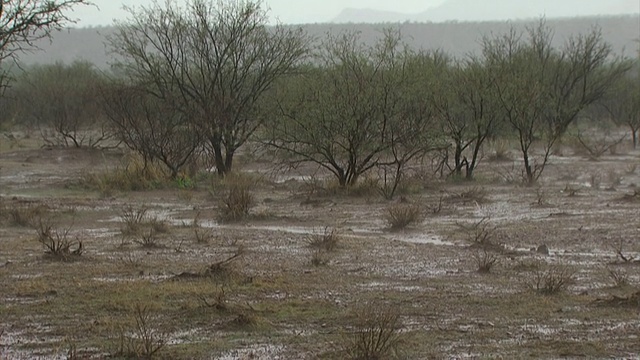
485	261
375	334
143	228
473	195
57	242
547	280
320	257
480	233
133	219
238	200
27	215
619	277
328	240
135	175
142	339
631	197
400	216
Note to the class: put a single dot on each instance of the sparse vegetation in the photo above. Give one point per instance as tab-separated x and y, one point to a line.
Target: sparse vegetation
618	247
320	257
26	215
133	219
328	240
375	334
238	201
550	280
485	260
400	216
58	242
479	233
141	340
619	277
258	267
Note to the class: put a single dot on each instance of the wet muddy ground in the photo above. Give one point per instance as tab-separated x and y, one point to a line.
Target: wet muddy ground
281	298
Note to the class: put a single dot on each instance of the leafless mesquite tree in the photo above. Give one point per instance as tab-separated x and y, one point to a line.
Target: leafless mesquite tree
354	107
23	22
622	104
64	102
469	112
157	130
542	90
216	59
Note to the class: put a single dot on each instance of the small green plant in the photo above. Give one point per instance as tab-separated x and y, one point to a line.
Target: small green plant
184	182
375	334
400	216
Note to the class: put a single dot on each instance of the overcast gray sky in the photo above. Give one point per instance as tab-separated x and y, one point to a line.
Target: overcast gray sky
287	11
293	11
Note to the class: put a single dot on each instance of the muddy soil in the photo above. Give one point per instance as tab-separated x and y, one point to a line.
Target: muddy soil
283	298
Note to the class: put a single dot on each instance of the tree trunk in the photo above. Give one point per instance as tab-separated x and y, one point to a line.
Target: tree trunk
527	167
228	161
458	160
219	160
634	136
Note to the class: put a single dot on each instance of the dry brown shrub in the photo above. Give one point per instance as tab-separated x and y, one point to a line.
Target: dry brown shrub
400	216
375	334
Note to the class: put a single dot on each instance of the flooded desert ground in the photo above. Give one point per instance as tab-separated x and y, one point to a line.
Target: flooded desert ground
311	267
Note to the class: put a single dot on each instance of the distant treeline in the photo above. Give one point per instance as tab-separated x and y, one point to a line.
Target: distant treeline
455	38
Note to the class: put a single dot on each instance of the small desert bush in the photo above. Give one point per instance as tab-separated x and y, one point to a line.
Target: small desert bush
238	200
142	339
134	176
144	230
400	216
328	240
133	219
550	280
619	277
57	242
223	271
480	233
474	195
597	143
320	257
485	261
27	215
366	187
375	334
147	238
499	151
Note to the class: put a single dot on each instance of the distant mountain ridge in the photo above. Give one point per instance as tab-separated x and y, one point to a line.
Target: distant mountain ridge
475	10
455	38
